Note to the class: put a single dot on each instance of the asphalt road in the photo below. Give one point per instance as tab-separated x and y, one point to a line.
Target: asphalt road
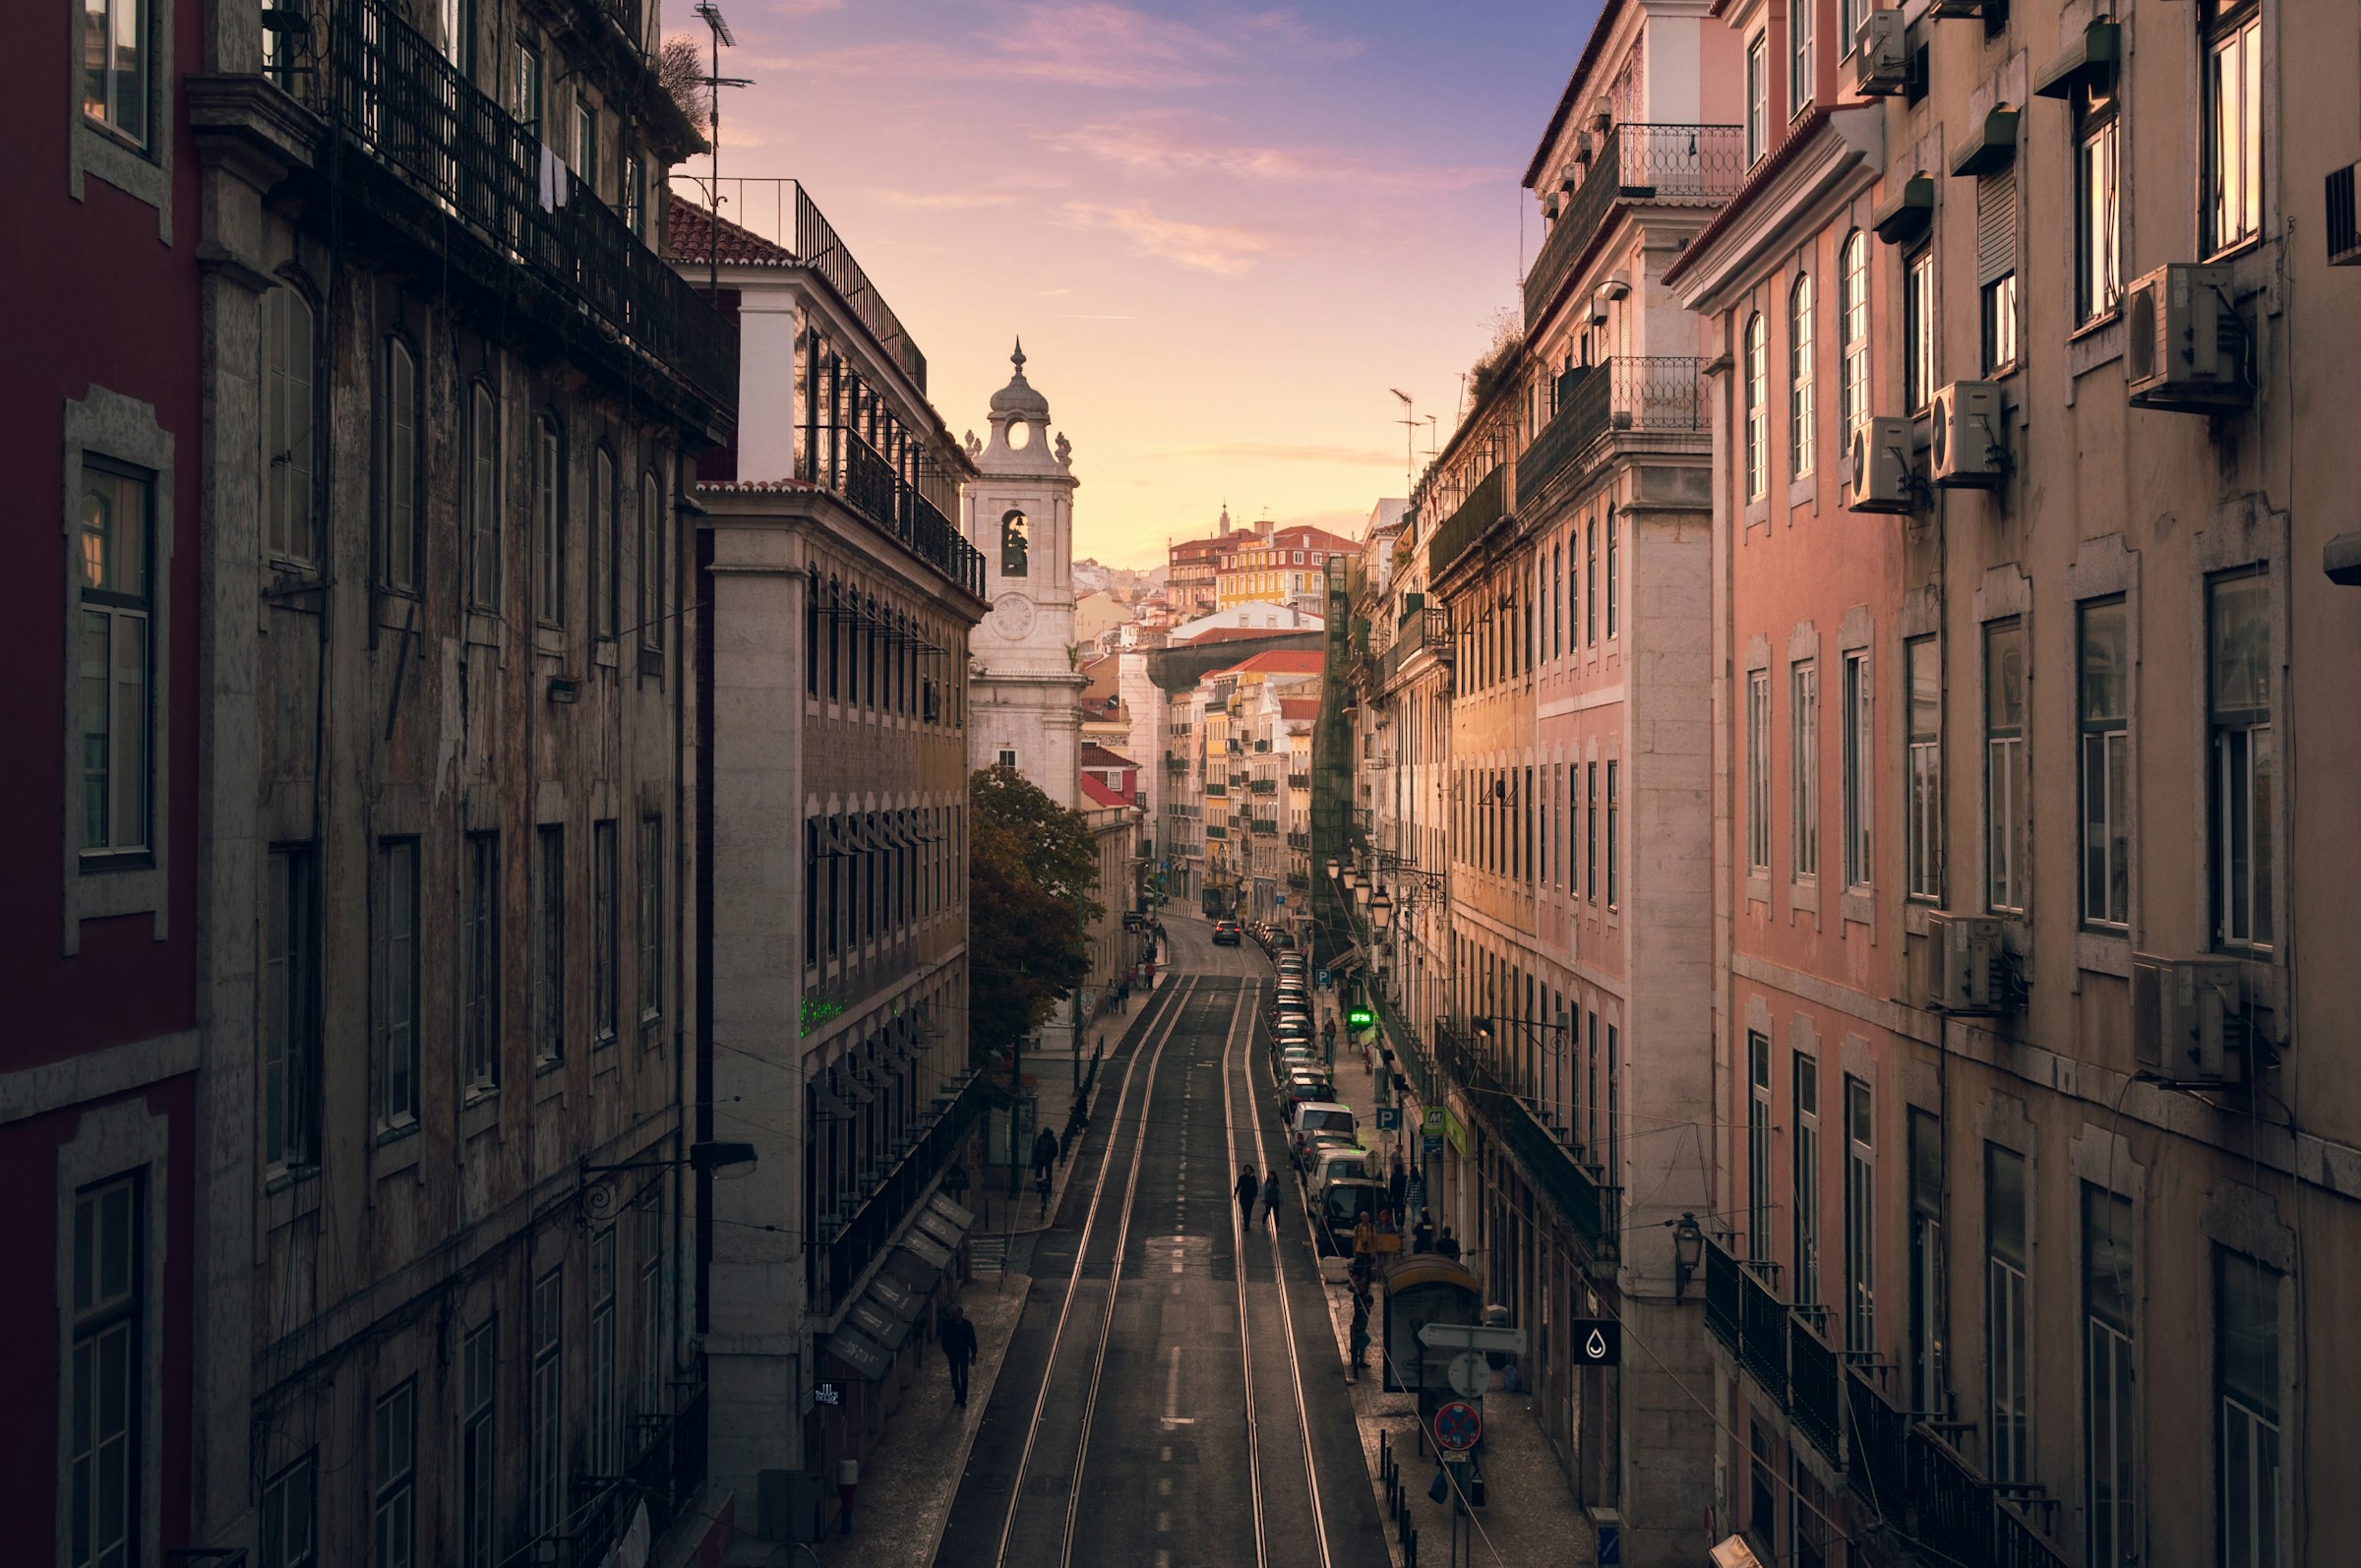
1128	1437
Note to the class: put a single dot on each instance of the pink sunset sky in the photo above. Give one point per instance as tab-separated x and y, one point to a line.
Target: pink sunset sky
1223	233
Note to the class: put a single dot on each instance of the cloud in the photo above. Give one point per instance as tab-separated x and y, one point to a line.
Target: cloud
1222	250
940	201
1159	146
1282	452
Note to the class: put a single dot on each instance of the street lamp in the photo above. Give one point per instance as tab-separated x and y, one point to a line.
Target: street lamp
1381	907
1332	868
1688	1250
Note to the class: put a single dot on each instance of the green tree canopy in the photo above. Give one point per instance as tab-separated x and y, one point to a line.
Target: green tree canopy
1032	874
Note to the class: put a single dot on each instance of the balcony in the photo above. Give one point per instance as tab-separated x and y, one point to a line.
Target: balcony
1422	630
1815	1387
1299	781
1301	841
1217	790
1475	518
1659	396
1763	1329
1589	1206
837	1262
1668	165
843	460
1957	1512
1263	786
430	156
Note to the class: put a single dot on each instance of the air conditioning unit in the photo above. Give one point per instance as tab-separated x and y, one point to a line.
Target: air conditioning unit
2184	347
2186	1019
1881	59
1970	449
1880	478
1966	962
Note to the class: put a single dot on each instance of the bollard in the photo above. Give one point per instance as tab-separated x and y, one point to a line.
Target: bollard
1411	1551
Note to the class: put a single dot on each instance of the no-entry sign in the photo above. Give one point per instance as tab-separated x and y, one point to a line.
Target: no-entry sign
1457	1425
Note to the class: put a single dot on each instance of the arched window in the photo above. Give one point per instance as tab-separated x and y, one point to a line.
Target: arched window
549	525
290	461
835	637
811	634
1853	309
397	473
651	560
1799	378
1017	542
1756	372
872	629
483	499
603	606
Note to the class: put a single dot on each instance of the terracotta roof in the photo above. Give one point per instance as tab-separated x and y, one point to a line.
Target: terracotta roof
689	236
1238	633
1279	661
1096	756
1298	707
1101	795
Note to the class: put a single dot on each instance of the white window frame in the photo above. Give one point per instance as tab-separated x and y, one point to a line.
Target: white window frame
2007	1381
655	1350
1799	55
1758	771
393	1478
1919	336
1800	430
2098	208
1758	99
2008	867
606	1402
1860	1216
2104	766
2244	786
397	987
1860	770
545	1451
2249	1479
2110	1428
1803	770
1758	1147
400	561
290	1532
288	1019
479	1448
1922	774
1804	1177
140	167
2230	119
1757	390
1853	322
289	428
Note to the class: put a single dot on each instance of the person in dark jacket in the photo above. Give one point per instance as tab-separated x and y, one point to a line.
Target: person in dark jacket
1398	1186
1448	1244
1045	1153
1249	1188
1270	1193
958	1341
1422	1237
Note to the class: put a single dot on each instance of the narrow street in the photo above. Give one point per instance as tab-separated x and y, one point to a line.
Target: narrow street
1153	1410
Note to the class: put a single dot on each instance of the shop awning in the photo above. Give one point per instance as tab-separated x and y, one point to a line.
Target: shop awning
1909	213
1990	147
2093	57
895	1297
866	1356
872	1320
917	1261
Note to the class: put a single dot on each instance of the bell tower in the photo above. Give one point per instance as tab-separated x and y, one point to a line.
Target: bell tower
1023	680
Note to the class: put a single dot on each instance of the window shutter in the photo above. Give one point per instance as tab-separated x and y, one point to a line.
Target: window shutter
1995	225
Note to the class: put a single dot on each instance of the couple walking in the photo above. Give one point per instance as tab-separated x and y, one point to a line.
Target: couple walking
1249	1190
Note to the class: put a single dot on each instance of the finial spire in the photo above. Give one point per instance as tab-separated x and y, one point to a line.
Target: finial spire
1018	358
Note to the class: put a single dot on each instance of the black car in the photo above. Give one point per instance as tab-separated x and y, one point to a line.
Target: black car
1225	934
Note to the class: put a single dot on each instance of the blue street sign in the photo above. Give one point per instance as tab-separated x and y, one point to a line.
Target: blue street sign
1388	1118
1610	1547
1323	980
1434	1144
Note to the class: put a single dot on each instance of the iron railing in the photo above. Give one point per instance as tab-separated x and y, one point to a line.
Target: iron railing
1420	631
1815	1389
1879	1430
1664	394
843	459
1721	1290
1264	786
1587	1205
1672	165
1763	1329
1485	507
1299	781
465	167
839	1259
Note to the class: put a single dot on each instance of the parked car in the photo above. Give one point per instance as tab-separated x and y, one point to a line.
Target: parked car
1282	941
1301	1085
1342	1203
1331	1165
1322	1123
1225	934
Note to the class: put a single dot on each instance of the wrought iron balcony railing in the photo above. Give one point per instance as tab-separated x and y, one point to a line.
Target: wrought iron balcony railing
1815	1388
462	168
844	461
1587	1205
1672	165
1422	630
1299	781
837	1261
1475	518
1663	394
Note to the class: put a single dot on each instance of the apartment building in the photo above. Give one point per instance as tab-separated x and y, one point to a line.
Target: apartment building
111	1104
1271	565
832	693
2037	1193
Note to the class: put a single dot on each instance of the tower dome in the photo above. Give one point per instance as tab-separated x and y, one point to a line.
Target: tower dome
1020	429
1019	399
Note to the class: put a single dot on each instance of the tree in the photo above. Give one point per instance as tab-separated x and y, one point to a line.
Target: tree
681	72
1032	871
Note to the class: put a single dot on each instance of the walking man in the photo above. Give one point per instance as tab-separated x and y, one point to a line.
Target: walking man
1270	1193
1045	1154
1247	1187
958	1341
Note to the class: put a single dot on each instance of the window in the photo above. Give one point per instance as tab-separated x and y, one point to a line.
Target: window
479	946
655	1353
1860	1218
585	143
1930	1313
2007	867
651	918
1589	603
1015	545
2103	680
835	636
1757	456
549	526
483	499
291	1012
545	1458
479	1457
2110	1444
1799	54
1007	757
2243	769
603	950
549	940
1614	837
603	536
1996	270
2232	203
114	629
1758	771
1807	1179
1849	25
651	563
288	457
1803	767
396	985
1758	99
811	891
606	1413
528	89
1922	785
1800	357
1919	331
1557	602
109	1310
2098	202
1854	307
634	190
2008	1387
286	1535
1758	1145
1762	1490
1590	831
392	1476
1859	775
1612	533
1815	1533
2246	1375
458	34
397	481
117	67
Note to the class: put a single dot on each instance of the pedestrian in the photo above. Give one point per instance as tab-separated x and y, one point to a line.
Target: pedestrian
848	1481
1270	1193
1045	1154
1421	1235
1448	1244
1360	1332
1247	1187
958	1341
1398	1186
1364	1238
1066	1140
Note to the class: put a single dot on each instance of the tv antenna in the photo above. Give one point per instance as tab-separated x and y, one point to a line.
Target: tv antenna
713	82
1410	435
